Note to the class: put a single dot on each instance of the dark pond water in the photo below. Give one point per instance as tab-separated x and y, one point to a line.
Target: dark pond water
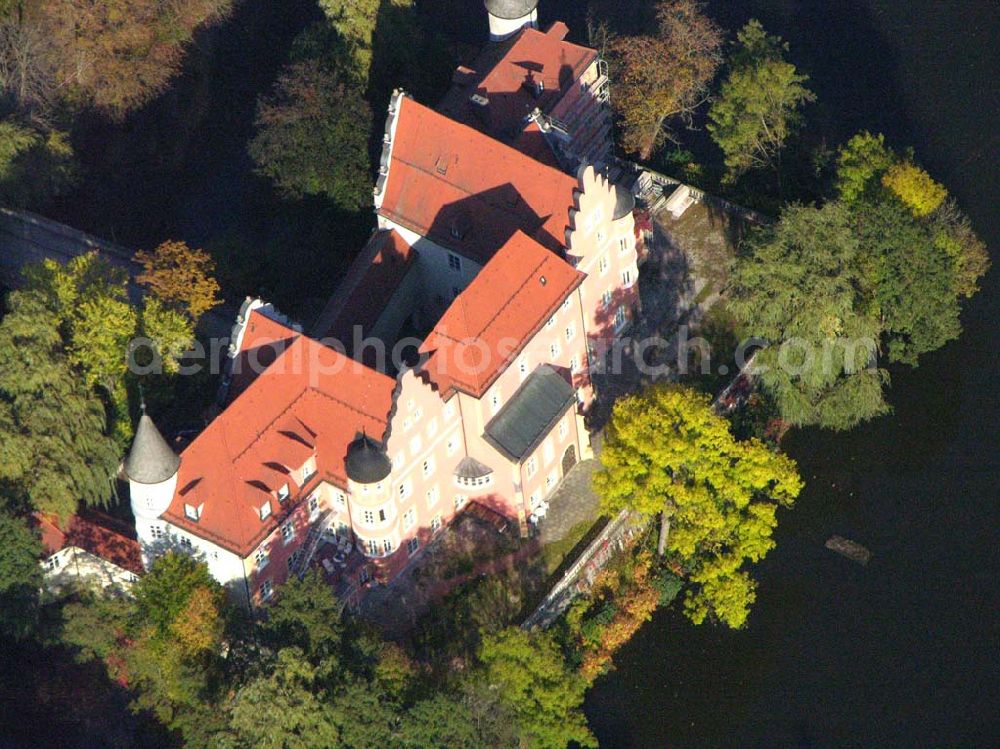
905	652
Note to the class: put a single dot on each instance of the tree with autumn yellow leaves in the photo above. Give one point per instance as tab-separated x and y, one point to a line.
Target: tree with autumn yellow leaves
180	277
663	76
667	453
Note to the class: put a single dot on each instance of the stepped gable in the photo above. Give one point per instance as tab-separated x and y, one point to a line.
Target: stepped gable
469	192
489	323
312	399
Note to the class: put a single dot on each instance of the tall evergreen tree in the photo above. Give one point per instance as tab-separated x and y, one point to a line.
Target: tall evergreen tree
53	438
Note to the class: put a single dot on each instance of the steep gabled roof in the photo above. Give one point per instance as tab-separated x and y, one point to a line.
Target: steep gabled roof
496	315
532	70
311	400
366	290
96	533
467	191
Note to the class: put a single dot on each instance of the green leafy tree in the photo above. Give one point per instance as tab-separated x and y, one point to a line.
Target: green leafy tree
913	279
758	105
861	162
534	682
312	135
956	238
35	164
668	453
446	721
355	22
801	286
307	616
20	576
664	76
53	439
281	710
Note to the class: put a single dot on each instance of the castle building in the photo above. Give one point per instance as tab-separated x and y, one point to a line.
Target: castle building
500	276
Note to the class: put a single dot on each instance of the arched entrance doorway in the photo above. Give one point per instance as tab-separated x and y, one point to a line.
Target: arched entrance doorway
569	459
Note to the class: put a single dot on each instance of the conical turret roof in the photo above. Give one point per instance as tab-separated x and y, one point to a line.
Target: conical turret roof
150	460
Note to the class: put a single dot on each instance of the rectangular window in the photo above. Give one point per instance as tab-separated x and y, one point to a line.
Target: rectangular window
554	350
522	367
266	590
452	445
340	500
415	444
432	496
495	402
186	543
265	511
373	547
313	507
261	558
432	428
626	278
449	410
308	470
435	523
530	466
387	546
369	517
619	318
428	467
405	490
606	298
550	322
574	363
397	461
454	262
191	512
288	532
460	500
550	480
293	559
623	245
548	452
563	428
381	515
409	518
570	331
602	266
412	546
566	302
283	493
364	576
156	532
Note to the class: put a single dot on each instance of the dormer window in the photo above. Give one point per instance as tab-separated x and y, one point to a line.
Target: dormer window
265	511
283	493
193	513
308	470
454	261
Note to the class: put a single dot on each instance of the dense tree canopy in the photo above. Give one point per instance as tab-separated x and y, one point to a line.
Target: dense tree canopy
53	440
535	684
665	75
20	576
801	286
312	135
668	453
119	54
758	105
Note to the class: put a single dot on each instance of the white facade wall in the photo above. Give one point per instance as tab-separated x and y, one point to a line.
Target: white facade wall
502	28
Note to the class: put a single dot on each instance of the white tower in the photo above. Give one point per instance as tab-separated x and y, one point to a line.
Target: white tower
151	467
507	17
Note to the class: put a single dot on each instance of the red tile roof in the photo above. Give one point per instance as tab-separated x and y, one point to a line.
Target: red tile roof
467	191
263	340
511	84
491	321
310	400
97	533
371	281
